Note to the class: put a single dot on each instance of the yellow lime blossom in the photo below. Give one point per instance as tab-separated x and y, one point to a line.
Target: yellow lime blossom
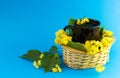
37	64
41	56
58	41
78	22
107	41
108	33
100	68
92	50
82	21
56	68
86	19
66	39
56	65
60	32
93	47
62	38
59	69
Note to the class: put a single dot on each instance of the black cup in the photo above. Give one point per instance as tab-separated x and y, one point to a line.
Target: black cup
83	32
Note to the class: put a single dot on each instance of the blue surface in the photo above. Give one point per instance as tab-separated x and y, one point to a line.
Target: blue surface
31	24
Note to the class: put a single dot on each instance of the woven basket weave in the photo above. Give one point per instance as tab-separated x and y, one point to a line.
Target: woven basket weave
80	60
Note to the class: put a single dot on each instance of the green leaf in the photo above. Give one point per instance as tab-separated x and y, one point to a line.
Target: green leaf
72	21
49	61
31	55
56	56
77	46
101	33
53	49
101	30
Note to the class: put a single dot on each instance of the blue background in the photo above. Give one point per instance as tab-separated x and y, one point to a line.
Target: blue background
31	24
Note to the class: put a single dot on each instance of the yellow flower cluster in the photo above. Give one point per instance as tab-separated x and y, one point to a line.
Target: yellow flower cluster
107	38
56	68
107	33
62	38
93	47
38	64
100	68
82	21
106	41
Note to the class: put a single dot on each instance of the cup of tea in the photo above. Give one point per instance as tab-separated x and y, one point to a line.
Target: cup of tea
86	31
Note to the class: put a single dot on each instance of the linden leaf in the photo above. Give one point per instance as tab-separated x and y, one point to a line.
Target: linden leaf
101	33
31	55
56	56
53	49
49	61
72	21
77	46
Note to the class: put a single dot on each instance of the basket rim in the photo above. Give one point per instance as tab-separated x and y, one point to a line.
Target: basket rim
83	52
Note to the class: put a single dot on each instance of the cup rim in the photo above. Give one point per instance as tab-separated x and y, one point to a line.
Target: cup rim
93	22
78	26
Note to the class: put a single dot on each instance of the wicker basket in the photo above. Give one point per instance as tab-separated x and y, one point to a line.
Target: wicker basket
80	60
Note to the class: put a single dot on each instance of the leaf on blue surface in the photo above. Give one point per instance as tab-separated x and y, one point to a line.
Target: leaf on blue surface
53	49
31	55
